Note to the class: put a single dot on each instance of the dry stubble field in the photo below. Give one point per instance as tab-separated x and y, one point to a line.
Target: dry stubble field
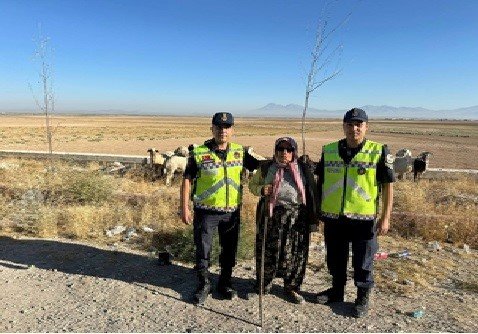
453	143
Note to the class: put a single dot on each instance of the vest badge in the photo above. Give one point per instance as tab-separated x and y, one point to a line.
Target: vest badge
206	158
361	170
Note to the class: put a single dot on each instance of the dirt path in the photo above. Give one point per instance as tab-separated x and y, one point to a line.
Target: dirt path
61	286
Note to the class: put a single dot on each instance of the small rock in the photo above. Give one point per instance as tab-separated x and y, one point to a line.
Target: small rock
466	248
390	274
408	282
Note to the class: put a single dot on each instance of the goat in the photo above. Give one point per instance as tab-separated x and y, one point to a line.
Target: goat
403	163
174	164
420	164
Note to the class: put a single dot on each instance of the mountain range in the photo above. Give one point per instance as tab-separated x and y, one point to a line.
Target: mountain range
295	111
389	112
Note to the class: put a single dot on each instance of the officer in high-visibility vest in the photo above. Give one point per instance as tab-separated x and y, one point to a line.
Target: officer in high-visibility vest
352	174
213	173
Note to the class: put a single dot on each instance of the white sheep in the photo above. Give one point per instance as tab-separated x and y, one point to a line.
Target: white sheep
174	164
182	151
403	163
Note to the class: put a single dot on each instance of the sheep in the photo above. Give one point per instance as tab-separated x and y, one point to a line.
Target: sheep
156	162
172	165
192	147
420	164
182	151
403	163
250	150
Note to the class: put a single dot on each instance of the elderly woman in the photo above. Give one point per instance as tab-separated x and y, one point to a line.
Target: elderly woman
288	192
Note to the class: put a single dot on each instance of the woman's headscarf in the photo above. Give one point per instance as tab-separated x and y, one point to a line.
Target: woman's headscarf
279	175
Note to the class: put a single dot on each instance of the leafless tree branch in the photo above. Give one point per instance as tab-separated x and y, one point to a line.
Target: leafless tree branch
321	59
43	55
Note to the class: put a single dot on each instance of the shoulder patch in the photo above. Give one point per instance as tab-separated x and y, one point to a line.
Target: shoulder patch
389	159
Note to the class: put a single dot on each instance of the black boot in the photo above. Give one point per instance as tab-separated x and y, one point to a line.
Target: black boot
203	289
361	303
224	285
333	295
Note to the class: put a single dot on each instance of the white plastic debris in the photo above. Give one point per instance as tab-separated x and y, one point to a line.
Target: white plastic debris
115	230
130	233
147	229
466	248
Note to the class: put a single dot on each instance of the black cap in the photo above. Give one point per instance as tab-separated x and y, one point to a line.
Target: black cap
223	119
355	114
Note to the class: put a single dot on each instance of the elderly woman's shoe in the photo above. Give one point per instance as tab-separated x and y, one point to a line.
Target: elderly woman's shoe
294	296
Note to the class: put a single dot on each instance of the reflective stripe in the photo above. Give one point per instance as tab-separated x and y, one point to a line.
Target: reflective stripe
208	192
351	182
348	215
334	164
215	208
336	186
357	216
372	152
329	215
232	183
212	165
360	164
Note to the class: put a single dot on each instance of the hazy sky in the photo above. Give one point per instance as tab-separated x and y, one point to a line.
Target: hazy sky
167	56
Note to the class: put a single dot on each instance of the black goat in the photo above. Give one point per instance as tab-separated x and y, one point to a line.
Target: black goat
420	164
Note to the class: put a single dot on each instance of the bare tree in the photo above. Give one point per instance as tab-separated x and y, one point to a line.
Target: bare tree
43	54
323	54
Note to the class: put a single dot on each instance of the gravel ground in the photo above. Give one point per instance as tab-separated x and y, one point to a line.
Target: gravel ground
62	286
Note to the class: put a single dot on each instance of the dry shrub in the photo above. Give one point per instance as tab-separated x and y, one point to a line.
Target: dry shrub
441	209
86	188
47	224
91	222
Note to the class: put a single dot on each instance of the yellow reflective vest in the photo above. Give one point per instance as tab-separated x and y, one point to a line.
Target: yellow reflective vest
351	190
218	183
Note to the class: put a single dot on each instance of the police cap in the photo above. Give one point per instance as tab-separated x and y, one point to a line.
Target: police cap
355	114
223	119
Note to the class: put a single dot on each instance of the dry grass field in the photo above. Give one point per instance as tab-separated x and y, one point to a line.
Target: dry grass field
80	202
453	143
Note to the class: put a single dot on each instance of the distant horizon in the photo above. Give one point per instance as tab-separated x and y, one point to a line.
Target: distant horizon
273	110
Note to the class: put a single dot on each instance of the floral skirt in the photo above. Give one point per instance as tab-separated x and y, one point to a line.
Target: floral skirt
286	247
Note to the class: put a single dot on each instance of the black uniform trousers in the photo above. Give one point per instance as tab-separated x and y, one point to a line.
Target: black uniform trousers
227	224
362	235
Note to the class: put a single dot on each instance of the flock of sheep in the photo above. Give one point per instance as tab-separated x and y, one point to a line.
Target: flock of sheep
404	164
171	162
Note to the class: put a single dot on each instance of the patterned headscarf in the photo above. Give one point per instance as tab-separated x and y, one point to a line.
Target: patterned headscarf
279	175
